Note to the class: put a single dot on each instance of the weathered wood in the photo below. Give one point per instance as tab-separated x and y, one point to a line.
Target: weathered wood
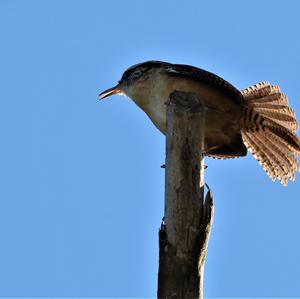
184	233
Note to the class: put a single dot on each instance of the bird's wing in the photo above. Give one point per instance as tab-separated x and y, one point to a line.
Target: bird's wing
207	77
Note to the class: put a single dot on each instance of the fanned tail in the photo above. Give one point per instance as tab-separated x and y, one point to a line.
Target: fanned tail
269	131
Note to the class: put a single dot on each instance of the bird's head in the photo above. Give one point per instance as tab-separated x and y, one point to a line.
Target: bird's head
130	78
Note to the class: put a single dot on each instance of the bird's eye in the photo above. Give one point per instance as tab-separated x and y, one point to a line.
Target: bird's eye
132	75
136	74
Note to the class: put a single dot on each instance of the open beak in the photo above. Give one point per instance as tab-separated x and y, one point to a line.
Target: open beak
109	92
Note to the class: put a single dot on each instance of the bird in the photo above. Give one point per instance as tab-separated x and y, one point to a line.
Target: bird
257	119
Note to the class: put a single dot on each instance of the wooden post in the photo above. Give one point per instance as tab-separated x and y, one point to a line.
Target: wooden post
184	233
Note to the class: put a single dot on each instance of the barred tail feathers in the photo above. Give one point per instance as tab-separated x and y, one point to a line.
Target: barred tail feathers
269	131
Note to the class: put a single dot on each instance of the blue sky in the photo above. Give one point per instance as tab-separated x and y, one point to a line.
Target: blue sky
82	191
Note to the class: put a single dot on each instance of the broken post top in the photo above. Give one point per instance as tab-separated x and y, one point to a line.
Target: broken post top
186	102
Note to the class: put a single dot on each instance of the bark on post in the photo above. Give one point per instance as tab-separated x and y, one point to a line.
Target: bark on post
184	233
